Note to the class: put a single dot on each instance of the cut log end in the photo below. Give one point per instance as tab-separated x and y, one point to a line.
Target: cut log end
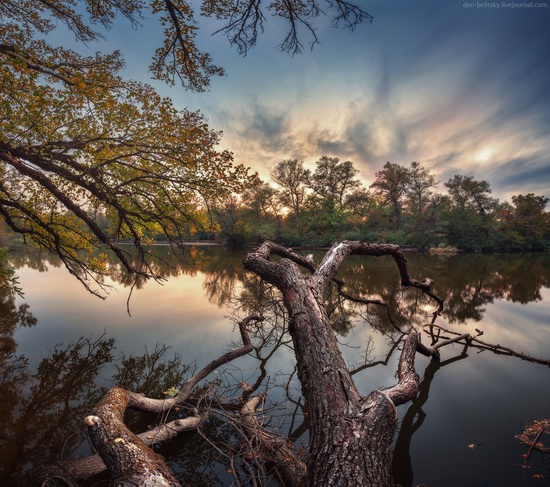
91	420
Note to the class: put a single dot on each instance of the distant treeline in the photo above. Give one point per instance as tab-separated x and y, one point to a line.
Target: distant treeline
299	207
402	205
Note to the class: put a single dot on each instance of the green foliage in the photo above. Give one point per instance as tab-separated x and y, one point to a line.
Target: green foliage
87	158
401	206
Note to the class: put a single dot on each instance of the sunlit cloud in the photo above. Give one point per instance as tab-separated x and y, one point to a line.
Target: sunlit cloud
461	91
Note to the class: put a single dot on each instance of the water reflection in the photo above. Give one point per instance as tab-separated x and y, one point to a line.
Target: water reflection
468	282
471	281
41	412
412	421
41	408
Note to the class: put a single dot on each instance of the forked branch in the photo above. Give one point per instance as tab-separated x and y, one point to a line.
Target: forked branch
126	455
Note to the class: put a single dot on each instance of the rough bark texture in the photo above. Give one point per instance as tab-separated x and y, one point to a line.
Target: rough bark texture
70	473
291	470
350	435
129	461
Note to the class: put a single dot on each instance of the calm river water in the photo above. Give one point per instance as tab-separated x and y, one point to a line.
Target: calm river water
61	347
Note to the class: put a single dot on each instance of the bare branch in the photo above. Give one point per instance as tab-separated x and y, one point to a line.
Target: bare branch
146	404
280	451
479	344
407	387
349	14
243	25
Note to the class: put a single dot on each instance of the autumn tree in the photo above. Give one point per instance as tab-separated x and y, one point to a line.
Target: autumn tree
78	139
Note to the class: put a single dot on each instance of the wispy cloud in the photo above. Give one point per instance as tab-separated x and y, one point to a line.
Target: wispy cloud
458	90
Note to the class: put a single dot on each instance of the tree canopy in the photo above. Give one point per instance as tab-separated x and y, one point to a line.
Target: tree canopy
318	206
78	140
88	158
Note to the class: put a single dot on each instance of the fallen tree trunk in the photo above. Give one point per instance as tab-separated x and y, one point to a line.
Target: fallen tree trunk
129	461
350	435
83	468
127	456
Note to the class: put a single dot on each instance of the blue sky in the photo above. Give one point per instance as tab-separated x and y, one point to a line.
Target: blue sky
460	87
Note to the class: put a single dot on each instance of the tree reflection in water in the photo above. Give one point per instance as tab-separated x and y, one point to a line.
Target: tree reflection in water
41	411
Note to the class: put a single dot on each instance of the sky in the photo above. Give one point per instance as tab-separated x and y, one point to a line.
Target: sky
460	87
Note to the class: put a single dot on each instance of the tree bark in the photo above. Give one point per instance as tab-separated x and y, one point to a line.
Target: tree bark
127	456
350	435
83	468
129	461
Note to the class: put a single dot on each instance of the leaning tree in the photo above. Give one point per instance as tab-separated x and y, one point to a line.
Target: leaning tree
88	158
350	434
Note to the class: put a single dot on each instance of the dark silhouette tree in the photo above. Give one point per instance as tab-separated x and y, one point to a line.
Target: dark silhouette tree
333	180
292	177
471	212
392	183
528	222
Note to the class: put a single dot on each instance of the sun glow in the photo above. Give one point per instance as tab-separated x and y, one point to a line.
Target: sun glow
484	154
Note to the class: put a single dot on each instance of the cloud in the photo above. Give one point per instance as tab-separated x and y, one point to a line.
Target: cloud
521	176
462	91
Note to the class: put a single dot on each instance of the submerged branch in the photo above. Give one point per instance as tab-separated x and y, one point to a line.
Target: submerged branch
475	342
279	450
